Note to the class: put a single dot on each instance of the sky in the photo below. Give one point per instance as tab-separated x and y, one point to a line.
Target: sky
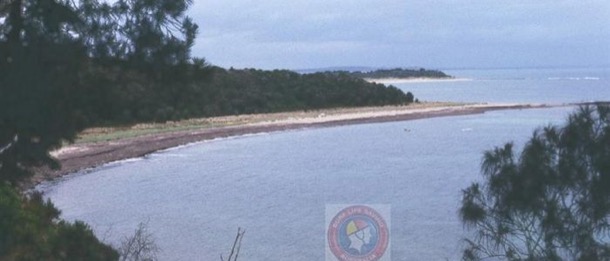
306	34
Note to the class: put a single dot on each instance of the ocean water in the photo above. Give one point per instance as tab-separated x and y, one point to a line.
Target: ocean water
277	185
549	86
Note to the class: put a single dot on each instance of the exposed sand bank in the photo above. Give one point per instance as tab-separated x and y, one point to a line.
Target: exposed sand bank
99	146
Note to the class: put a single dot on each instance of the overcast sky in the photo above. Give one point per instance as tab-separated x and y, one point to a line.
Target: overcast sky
300	34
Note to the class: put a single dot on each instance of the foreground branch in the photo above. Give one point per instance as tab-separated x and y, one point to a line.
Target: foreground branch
236	246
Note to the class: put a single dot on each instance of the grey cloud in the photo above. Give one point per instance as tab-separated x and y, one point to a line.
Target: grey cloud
441	33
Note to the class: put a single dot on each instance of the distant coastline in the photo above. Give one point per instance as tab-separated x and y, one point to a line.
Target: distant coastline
393	76
402	73
414	80
100	146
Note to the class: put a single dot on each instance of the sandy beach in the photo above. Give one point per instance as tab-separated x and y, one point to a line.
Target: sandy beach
99	146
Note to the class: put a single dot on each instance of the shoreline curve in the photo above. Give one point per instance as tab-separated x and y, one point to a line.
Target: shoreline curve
75	158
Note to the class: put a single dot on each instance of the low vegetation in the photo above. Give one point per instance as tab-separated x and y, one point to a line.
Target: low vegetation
101	134
30	229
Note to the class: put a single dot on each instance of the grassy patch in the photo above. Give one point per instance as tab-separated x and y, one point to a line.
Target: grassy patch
104	134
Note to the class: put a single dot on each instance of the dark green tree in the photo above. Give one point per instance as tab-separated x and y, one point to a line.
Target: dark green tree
52	55
550	203
410	97
41	58
147	33
30	230
66	64
141	54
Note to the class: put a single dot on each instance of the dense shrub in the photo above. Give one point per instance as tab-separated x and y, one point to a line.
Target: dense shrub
30	230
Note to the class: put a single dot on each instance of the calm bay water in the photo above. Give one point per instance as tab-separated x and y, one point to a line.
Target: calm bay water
276	185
